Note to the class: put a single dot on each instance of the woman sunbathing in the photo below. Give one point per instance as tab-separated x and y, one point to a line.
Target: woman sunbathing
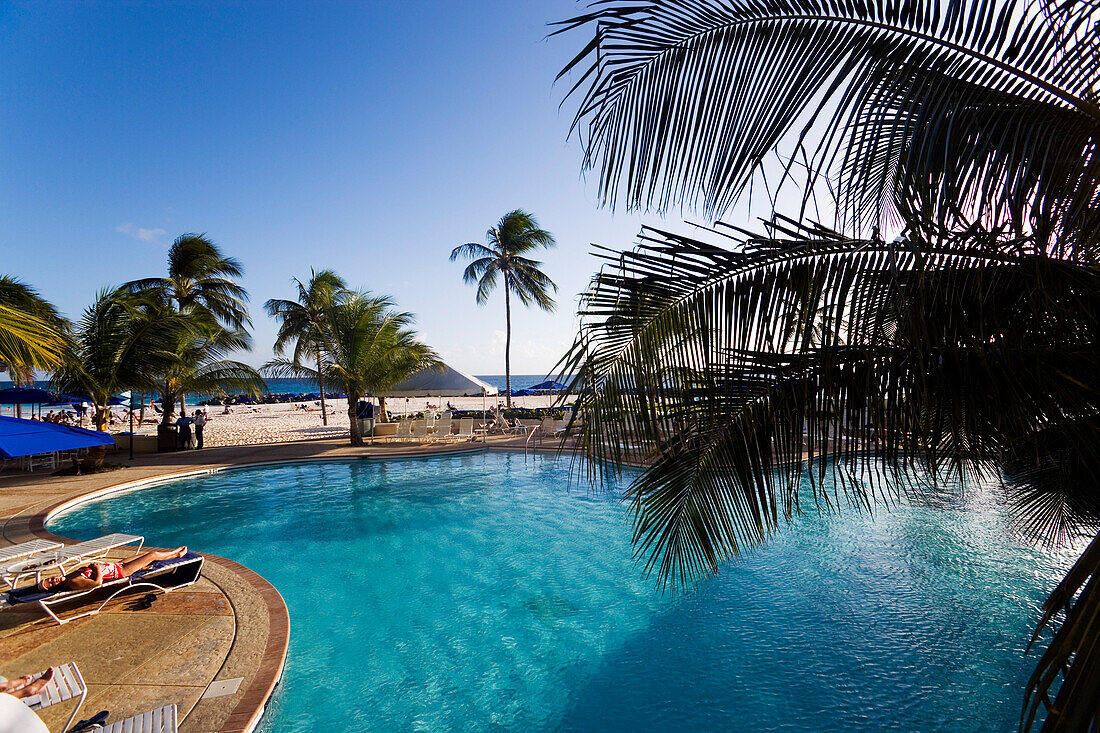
101	571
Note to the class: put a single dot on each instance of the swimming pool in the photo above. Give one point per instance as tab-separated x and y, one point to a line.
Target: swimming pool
484	591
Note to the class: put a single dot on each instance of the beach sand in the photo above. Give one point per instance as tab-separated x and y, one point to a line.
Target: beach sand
255	424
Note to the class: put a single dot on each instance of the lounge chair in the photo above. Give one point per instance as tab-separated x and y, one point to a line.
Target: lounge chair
162	575
161	720
404	429
14	557
443	428
72	555
419	429
67	683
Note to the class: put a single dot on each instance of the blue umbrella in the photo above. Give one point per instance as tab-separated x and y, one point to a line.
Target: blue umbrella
20	396
551	386
521	392
30	437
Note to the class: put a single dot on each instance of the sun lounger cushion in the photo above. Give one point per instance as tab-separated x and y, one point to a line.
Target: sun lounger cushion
167	573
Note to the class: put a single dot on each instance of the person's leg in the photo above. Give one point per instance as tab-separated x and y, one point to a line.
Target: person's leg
145	559
198	435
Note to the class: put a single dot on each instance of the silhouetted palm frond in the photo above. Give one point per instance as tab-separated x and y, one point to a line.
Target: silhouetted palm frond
958	111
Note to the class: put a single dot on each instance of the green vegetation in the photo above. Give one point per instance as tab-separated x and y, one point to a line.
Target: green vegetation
121	342
32	334
968	345
303	321
201	286
514	236
364	347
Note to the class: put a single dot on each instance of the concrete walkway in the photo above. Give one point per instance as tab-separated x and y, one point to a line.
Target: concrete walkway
231	627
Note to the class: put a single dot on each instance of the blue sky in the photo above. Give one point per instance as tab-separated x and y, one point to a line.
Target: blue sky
368	137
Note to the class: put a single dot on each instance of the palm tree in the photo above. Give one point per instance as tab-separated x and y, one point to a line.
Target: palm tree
32	333
200	278
200	365
367	348
302	322
967	345
119	343
515	235
201	285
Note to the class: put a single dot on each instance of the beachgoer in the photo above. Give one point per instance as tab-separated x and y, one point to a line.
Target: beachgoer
200	423
183	437
101	571
26	686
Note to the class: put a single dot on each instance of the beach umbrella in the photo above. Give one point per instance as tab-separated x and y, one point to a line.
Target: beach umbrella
29	396
20	437
549	386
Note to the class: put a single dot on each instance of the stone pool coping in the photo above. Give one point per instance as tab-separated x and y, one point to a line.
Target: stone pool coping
261	620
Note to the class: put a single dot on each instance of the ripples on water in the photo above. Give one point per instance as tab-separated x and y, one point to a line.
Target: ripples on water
485	592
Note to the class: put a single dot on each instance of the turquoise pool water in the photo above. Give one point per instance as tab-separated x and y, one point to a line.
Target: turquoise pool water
480	592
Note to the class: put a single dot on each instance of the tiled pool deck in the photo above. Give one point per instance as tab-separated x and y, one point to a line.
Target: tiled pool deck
232	625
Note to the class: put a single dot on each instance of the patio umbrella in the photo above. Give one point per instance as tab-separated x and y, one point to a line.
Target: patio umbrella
30	437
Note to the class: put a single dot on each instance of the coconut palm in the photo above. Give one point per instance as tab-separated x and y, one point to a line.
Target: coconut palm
199	278
200	365
368	348
119	343
302	321
32	333
201	285
967	345
515	235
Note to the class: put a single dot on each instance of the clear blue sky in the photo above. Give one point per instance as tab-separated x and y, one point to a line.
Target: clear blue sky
369	137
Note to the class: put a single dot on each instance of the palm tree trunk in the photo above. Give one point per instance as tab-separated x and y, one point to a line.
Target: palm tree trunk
168	405
382	415
183	405
93	459
356	436
507	342
321	387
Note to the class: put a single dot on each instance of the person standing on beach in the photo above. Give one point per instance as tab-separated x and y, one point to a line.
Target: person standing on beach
200	423
183	437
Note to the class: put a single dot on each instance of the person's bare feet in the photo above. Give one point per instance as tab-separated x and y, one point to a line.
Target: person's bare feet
34	686
10	686
179	551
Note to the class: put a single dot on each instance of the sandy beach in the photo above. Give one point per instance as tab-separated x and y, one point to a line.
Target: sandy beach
254	424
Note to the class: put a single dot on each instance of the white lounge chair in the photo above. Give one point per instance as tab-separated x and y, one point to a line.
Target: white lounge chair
68	557
420	428
67	683
404	429
164	576
161	720
12	558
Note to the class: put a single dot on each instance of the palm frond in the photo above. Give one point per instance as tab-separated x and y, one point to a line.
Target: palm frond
683	101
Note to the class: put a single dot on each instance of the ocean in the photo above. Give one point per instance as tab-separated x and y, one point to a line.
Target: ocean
304	386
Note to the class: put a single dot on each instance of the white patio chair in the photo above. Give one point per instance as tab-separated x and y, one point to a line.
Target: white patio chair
67	683
465	429
404	429
420	428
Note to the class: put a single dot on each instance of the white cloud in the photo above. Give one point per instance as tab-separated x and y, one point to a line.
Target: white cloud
145	235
